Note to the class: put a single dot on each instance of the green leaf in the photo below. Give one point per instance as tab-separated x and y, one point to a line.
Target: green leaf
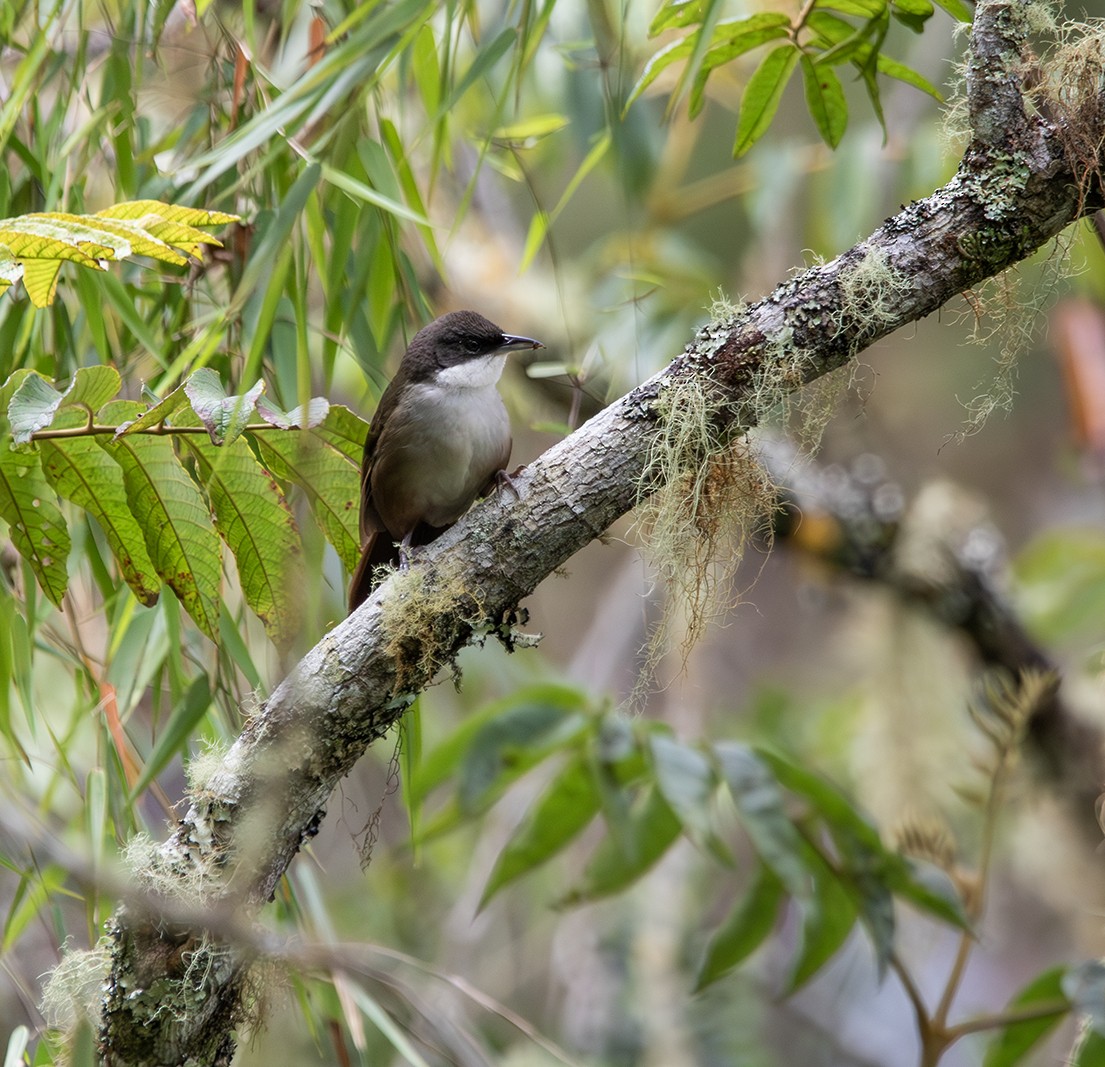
825	99
79	470
1084	987
304	417
36	524
173	517
329	478
762	95
893	69
1091	1048
410	755
734	38
618	862
35	402
956	8
828	915
224	416
32	407
513	741
569	803
345	432
687	781
912	13
152	416
862	9
926	887
1012	1042
759	802
253	518
183	720
675	14
485	59
744	930
564	706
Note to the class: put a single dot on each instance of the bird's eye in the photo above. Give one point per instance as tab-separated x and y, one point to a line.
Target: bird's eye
471	344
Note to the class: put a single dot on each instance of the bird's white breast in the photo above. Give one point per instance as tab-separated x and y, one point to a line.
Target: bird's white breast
445	441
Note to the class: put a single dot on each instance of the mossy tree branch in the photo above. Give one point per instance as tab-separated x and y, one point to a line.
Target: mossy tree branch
1014	191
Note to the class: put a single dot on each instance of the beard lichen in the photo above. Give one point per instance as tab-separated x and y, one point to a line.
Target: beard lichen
1065	87
701	495
72	993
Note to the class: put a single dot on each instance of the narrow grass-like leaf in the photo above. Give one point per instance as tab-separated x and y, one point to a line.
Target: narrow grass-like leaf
174	518
650	830
485	59
183	720
1013	1041
36	524
744	930
825	99
761	96
79	470
330	480
569	803
225	417
253	518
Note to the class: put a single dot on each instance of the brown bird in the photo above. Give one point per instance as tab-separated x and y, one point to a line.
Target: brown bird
440	438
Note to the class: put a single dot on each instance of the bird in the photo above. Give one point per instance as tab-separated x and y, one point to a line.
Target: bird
439	439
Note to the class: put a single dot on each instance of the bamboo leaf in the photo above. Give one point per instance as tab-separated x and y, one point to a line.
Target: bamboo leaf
173	516
956	8
183	720
762	95
825	99
893	69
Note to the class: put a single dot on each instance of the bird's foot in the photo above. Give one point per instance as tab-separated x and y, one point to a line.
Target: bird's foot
504	481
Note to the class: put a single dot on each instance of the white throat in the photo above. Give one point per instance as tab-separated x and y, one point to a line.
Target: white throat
473	373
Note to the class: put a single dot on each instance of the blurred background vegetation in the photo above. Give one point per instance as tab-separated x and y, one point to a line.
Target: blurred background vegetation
391	161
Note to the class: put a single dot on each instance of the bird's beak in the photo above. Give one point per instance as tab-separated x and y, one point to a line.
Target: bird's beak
511	341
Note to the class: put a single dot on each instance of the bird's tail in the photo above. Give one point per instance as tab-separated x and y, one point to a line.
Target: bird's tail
378	551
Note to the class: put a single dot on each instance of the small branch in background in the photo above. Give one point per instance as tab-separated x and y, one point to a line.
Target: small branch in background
939	552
